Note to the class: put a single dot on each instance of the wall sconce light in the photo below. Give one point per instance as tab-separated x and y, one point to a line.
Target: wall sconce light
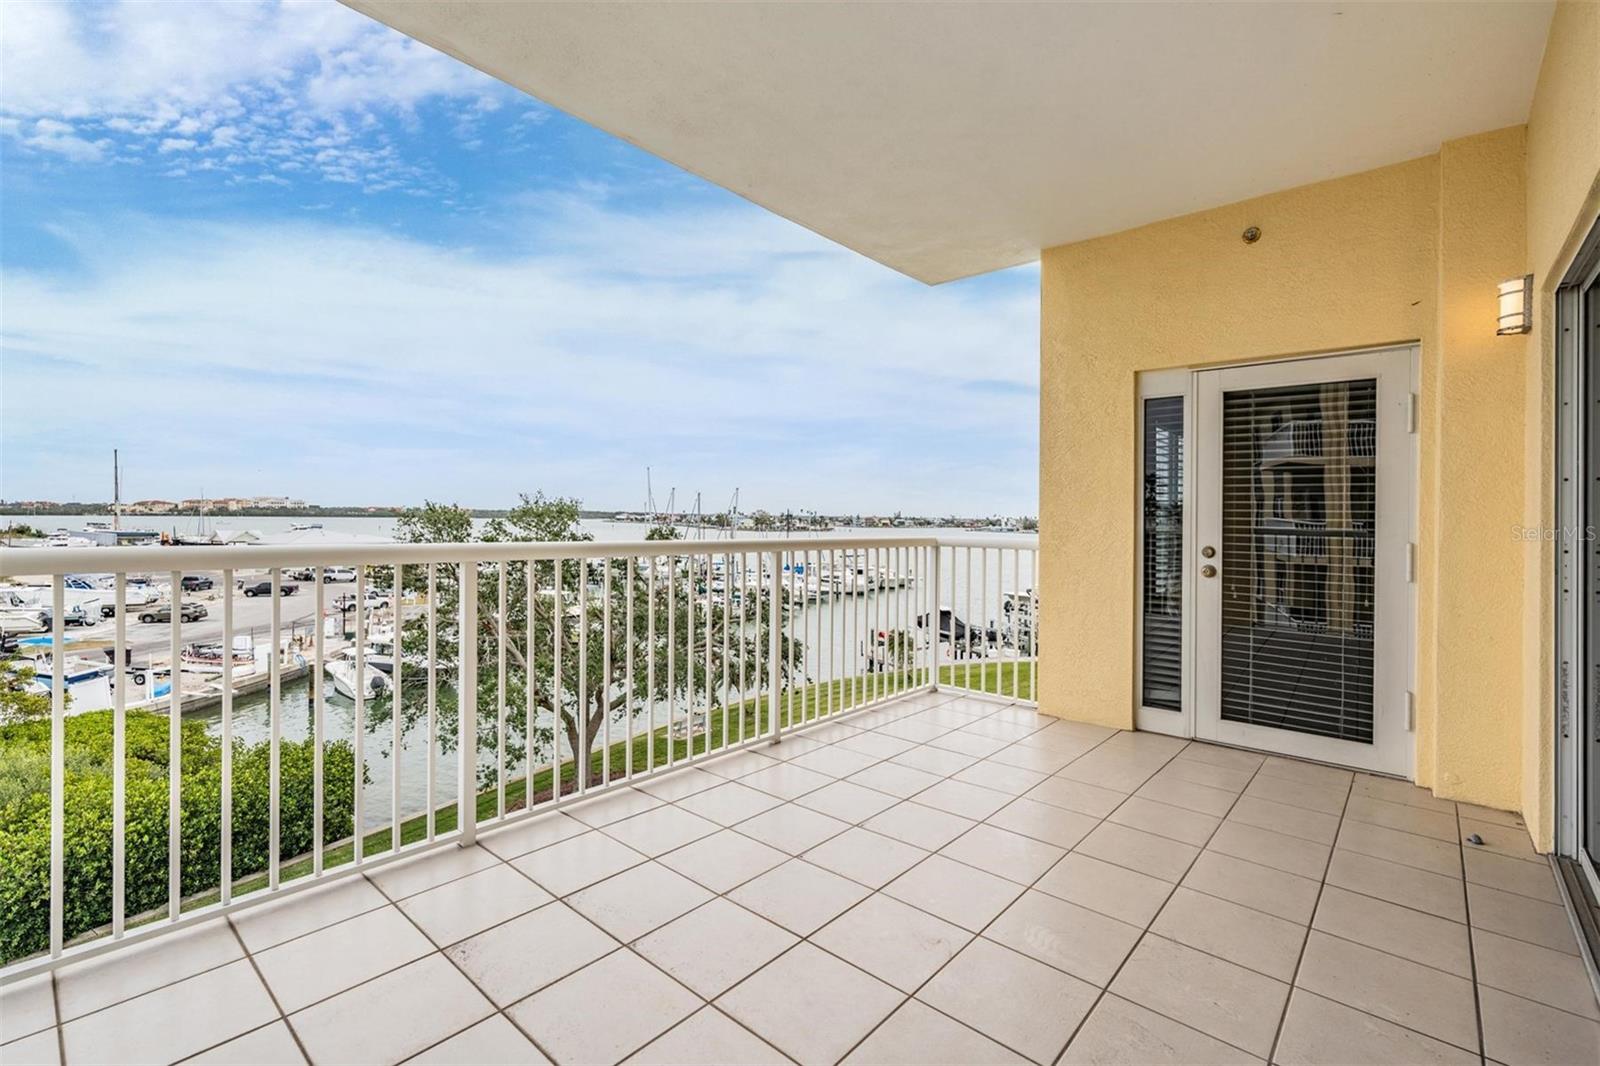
1516	306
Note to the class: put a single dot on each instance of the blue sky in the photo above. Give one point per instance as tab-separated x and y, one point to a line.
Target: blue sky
280	249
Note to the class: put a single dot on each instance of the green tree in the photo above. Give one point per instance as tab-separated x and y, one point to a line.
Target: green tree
19	701
587	600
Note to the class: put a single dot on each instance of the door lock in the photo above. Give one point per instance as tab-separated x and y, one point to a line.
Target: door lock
1209	552
1208	571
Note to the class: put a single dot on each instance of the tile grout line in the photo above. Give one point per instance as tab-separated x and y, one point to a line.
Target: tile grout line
1472	939
1305	942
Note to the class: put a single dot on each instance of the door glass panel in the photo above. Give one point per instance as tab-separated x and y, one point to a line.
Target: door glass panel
1298	527
1589	727
1162	658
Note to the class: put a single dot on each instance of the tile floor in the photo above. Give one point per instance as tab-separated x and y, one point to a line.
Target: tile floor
942	880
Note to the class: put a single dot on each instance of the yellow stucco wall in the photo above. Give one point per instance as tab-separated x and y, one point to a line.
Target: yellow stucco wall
1563	193
1357	262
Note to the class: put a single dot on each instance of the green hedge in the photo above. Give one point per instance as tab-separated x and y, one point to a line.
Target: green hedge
25	817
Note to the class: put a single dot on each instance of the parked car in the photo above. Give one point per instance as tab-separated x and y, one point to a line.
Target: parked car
264	588
374	601
332	575
162	612
195	582
301	573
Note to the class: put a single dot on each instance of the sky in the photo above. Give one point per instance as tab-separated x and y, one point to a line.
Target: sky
279	249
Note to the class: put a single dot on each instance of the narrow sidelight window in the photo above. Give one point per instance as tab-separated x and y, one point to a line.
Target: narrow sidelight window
1162	658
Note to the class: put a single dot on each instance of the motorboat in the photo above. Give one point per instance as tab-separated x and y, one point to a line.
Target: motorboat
342	671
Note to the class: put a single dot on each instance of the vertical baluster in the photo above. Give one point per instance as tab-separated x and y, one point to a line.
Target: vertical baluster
935	611
467	714
531	682
706	747
632	564
319	684
500	628
727	620
275	722
558	700
1016	621
650	663
774	646
119	763
672	654
58	760
226	826
795	607
359	727
433	700
580	758
1034	659
966	676
397	706
174	751
606	669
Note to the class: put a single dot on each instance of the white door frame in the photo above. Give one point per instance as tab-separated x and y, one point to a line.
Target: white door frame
1397	371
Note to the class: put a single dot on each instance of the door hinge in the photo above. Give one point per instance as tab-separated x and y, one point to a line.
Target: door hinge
1411	711
1411	562
1412	403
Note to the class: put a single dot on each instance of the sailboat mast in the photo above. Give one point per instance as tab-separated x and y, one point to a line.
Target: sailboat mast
116	490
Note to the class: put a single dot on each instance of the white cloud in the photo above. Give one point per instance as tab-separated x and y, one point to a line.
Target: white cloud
725	347
177	144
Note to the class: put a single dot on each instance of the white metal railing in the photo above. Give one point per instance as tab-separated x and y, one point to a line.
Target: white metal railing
572	667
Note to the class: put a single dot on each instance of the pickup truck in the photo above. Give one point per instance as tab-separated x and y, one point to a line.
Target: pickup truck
264	588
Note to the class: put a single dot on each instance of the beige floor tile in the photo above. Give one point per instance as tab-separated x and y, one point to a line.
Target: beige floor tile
1535	880
677	784
527	953
708	1038
1532	972
1510	841
273	923
473	903
561	1017
661	830
1012	780
1001	730
577	862
41	1049
847	801
1297	794
865	856
900	781
1254	939
834	761
1111	890
1407	849
1229	1002
1138	850
931	760
787	1001
1397	791
1227	779
630	904
1286	895
1044	821
919	826
878	745
1264	847
792	828
27	1006
892	941
958	893
1082	942
1109	769
1399	990
916	1035
1092	800
914	729
1188	795
723	860
1011	998
1217	755
1517	1030
1282	818
410	876
730	802
519	838
786	781
1011	855
1026	756
1533	920
270	1045
1412	934
1405	885
1163	819
792	746
966	742
1403	816
799	896
1331	777
612	807
1322	1032
739	764
99	982
715	946
492	1042
967	800
1126	1034
1475	813
174	1021
302	971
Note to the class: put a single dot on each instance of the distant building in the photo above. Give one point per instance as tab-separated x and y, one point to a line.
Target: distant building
151	507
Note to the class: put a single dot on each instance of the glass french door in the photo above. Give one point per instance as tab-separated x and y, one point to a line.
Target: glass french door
1302	553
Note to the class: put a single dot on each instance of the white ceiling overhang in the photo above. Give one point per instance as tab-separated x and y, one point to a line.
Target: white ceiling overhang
950	139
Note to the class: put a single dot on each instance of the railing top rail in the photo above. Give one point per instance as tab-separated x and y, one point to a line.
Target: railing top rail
20	562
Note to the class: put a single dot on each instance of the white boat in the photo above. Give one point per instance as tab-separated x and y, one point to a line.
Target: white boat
88	682
206	657
342	670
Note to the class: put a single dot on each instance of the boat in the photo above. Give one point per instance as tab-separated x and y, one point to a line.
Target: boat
207	657
342	670
88	682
